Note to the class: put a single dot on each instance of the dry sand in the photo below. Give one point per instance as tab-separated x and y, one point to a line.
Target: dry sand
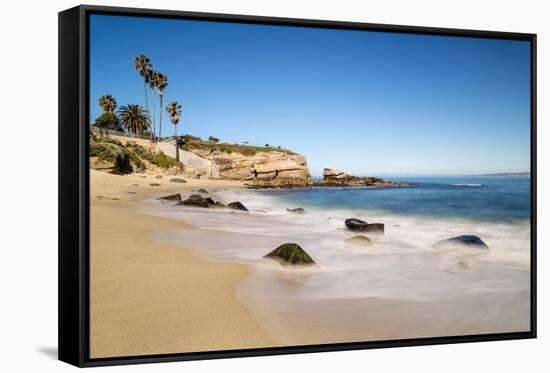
153	298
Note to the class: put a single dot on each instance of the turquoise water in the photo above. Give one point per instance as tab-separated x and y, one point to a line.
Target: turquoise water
489	199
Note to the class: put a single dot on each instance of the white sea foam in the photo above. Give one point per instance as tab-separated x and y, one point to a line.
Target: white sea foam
401	263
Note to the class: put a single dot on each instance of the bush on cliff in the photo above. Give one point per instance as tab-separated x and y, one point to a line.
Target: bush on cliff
113	153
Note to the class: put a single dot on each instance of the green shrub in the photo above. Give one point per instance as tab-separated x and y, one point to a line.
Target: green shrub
164	161
108	121
116	154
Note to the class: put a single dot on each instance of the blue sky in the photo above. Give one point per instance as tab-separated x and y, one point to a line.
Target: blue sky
369	103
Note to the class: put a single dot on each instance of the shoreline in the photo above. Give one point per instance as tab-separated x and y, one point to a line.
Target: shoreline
283	307
148	297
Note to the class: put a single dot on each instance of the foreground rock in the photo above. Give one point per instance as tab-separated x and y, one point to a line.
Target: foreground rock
290	254
172	197
467	241
237	206
362	226
358	241
298	210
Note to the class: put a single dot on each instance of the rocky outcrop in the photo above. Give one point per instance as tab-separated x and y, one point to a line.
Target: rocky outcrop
270	166
336	178
290	254
331	173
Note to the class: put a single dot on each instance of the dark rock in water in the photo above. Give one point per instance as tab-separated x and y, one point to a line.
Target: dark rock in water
374	227
290	253
356	224
218	204
464	241
360	225
172	197
158	177
298	210
237	206
358	241
201	190
154	184
177	180
195	200
194	203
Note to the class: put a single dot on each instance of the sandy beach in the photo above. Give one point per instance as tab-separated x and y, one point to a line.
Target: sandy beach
153	298
186	279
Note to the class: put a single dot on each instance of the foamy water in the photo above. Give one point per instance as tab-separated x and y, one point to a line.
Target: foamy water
401	264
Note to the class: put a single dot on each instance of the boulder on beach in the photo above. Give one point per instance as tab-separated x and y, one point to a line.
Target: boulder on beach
171	197
358	241
298	210
290	253
177	180
360	225
201	190
158	177
154	184
468	241
237	206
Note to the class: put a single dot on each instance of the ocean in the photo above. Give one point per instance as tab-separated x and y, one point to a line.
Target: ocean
402	263
496	199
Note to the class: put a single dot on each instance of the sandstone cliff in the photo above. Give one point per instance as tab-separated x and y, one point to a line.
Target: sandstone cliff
252	163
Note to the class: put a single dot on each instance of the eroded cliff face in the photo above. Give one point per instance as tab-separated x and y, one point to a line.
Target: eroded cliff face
262	166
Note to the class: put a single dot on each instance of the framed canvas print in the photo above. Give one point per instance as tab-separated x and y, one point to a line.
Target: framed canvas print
238	186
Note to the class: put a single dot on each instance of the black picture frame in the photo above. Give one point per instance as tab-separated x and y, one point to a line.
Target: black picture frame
73	250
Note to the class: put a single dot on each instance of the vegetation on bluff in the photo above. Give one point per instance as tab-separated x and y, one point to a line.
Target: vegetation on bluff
194	143
129	157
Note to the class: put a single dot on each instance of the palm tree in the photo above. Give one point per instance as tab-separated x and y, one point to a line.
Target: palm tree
174	110
134	118
143	65
161	83
107	103
153	79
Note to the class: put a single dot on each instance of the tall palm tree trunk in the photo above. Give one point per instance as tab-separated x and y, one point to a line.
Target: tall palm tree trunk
160	116
147	105
153	112
177	146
